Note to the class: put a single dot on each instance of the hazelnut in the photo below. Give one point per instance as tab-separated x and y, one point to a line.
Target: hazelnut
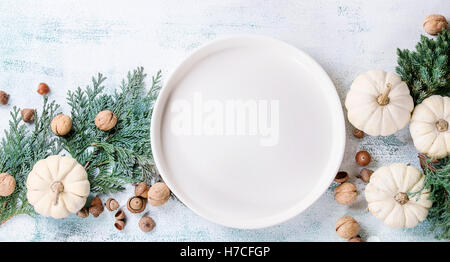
119	224
355	239
363	158
347	227
7	184
96	210
4	97
141	190
158	194
341	177
105	120
136	204
345	193
146	224
83	213
27	115
434	24
365	174
61	125
43	89
111	204
96	201
358	133
120	215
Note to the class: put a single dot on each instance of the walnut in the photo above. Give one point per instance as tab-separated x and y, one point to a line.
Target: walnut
27	115
347	227
83	213
7	184
136	204
158	194
105	120
434	24
141	190
111	204
146	224
355	239
4	97
345	193
61	125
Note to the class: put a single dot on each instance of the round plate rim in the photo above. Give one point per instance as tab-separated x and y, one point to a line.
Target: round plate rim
156	146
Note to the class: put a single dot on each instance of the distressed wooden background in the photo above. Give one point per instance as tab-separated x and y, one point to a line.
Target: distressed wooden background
64	43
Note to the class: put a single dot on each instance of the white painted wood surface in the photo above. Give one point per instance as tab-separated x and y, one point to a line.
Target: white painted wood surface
64	43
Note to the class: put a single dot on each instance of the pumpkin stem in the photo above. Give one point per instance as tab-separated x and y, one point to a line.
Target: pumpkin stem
383	99
402	198
442	125
57	188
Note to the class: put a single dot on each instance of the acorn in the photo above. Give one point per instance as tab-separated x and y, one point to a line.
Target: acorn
111	204
141	190
146	224
119	224
136	204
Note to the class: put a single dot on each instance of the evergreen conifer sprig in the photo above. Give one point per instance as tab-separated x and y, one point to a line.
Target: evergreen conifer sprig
112	159
122	155
437	181
426	71
21	147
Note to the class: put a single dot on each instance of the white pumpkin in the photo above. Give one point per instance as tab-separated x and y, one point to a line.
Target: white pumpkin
430	126
57	186
379	103
388	195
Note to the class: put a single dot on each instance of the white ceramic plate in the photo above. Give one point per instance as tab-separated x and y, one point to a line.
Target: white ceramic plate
248	131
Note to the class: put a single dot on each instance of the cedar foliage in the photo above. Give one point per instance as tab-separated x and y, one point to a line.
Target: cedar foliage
437	181
112	159
21	147
426	70
122	155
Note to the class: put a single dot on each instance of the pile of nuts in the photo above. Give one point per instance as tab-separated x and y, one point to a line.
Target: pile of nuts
120	220
27	113
346	193
62	124
156	195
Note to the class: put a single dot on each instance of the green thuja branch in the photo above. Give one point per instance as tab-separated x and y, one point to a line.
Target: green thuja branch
437	181
122	155
20	149
426	70
112	159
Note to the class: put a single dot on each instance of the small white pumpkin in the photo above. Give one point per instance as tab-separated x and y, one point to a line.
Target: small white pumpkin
387	195
57	186
379	103
430	126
